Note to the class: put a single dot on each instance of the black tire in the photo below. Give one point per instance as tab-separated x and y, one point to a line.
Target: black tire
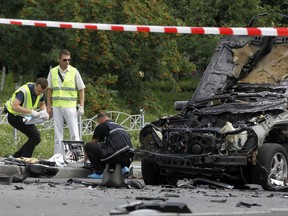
271	163
150	172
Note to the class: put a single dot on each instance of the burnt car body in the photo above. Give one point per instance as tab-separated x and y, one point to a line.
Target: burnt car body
235	126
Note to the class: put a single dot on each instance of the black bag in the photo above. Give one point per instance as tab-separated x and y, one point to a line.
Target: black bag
33	170
40	170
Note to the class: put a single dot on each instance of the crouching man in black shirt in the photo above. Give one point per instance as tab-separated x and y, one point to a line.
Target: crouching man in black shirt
110	144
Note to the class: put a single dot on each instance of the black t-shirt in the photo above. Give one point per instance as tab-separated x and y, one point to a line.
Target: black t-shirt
100	132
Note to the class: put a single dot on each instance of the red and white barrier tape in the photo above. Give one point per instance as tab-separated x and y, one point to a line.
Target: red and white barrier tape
260	31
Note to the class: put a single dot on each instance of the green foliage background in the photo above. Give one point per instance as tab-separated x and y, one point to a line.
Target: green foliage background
124	71
162	91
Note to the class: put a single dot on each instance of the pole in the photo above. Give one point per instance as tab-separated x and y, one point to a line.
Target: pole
80	126
142	121
15	131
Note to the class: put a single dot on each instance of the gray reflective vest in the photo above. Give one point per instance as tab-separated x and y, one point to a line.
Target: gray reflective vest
117	142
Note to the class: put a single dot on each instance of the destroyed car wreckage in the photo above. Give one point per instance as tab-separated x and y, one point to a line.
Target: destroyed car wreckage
235	126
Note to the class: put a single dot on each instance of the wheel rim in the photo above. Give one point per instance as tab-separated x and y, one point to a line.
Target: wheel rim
278	167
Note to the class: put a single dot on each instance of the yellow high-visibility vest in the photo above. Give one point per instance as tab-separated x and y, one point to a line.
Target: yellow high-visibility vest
66	94
27	103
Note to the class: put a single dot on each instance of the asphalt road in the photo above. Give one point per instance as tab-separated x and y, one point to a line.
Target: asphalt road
41	197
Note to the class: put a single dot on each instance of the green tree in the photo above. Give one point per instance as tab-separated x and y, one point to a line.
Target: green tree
131	59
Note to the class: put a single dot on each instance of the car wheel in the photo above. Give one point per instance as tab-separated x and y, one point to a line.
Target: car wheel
271	166
150	172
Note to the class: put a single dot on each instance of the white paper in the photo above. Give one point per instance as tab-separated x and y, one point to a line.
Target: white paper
38	120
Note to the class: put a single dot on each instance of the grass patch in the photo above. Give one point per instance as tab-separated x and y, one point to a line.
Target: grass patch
45	149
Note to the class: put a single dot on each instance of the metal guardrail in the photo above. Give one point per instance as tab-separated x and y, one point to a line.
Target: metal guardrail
129	122
87	126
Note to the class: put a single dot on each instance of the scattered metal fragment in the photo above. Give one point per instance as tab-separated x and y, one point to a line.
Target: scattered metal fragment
277	183
134	184
211	182
248	205
16	187
168	186
130	184
167	190
219	201
171	195
203	192
253	187
151	198
52	184
151	208
186	185
213	195
86	183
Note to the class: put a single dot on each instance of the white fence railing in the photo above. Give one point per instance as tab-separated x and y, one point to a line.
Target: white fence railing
3	119
87	126
129	122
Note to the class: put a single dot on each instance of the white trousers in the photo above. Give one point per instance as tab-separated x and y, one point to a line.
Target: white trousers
60	116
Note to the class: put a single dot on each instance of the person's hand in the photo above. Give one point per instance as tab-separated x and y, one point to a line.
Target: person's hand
49	111
80	110
35	114
45	115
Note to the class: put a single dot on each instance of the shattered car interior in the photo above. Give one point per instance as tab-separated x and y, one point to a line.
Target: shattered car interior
235	126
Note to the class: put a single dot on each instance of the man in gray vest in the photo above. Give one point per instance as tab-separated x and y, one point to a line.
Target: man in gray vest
110	144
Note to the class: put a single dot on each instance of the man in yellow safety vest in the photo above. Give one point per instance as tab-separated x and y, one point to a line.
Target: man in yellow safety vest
22	104
64	83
